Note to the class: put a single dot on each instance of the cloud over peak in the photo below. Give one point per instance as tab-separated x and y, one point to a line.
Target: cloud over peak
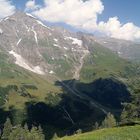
84	15
31	5
6	8
115	29
73	12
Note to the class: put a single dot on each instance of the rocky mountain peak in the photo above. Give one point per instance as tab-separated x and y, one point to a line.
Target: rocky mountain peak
54	51
41	49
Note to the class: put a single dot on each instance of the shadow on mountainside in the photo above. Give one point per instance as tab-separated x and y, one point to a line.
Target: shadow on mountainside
68	116
3	116
108	92
81	105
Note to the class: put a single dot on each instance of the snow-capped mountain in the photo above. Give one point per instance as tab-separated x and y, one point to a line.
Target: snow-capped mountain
46	50
39	48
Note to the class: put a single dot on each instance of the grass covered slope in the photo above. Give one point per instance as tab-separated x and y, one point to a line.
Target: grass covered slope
121	133
64	107
104	63
18	85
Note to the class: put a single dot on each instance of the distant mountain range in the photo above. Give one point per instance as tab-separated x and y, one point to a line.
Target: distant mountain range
53	50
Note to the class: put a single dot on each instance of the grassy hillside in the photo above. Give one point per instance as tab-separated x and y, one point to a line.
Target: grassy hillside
102	62
34	86
99	70
26	97
19	86
11	74
122	133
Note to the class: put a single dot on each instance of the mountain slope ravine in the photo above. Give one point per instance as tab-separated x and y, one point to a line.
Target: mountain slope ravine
78	68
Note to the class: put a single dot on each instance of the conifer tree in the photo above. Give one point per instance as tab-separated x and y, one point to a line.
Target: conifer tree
7	129
109	121
124	117
96	125
55	136
41	134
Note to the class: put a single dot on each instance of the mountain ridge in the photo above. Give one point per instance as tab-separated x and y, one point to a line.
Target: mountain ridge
28	36
42	34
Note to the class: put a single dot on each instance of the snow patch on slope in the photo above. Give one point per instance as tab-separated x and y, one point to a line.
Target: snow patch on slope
65	48
28	29
35	35
22	63
6	18
75	40
39	22
38	70
51	72
19	41
55	39
56	45
30	15
1	31
65	55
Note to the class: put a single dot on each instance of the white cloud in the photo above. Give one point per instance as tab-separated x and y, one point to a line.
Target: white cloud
6	8
114	28
31	5
73	12
83	14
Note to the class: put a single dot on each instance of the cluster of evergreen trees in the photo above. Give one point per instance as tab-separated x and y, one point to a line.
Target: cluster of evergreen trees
108	122
36	133
21	133
18	132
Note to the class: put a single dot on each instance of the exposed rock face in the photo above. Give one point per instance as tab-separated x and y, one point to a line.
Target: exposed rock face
51	50
39	48
125	49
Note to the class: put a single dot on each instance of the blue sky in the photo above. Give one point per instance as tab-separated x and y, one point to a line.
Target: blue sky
113	18
126	10
20	4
